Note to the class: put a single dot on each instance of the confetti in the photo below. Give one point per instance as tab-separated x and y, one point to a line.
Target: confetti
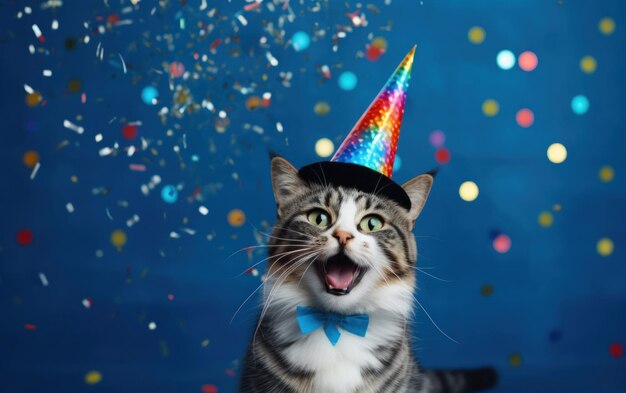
24	237
505	59
236	218
118	239
525	118
605	247
93	378
347	80
476	35
527	61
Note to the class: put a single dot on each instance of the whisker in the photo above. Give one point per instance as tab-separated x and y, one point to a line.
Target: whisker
274	255
433	321
432	275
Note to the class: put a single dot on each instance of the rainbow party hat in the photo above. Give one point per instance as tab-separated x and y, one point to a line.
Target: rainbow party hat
374	139
365	158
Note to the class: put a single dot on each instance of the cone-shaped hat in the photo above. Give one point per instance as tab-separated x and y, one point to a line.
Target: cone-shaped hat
374	139
365	158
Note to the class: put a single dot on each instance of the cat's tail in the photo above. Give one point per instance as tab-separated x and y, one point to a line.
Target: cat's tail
459	381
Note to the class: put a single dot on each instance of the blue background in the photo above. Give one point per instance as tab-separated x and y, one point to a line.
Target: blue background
556	302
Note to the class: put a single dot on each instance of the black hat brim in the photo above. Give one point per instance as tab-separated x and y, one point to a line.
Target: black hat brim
350	175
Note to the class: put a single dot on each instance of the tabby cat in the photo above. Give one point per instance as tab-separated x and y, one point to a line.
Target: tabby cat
344	259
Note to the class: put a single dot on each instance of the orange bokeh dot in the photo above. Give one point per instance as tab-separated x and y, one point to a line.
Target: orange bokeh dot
33	99
528	61
30	158
236	217
525	118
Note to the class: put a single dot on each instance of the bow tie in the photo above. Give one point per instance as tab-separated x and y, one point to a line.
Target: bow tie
310	319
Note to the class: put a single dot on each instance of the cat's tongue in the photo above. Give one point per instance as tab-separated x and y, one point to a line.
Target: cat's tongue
339	275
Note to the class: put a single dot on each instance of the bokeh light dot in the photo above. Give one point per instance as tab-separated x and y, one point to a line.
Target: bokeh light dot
476	35
130	131
606	174
605	247
347	80
30	158
74	85
515	359
606	26
321	108
442	155
502	243
616	350
437	138
169	193
525	118
486	290
545	219
324	147
24	237
93	377
588	64
580	104
380	42
149	95
33	99
505	59
557	153
528	61
118	239
300	41
236	217
491	107
209	388
373	53
177	69
468	191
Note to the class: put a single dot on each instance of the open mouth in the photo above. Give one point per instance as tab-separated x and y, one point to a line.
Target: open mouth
340	274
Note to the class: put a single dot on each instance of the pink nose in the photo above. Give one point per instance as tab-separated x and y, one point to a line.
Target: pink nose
342	236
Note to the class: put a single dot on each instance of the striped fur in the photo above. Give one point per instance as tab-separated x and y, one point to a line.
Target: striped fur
280	358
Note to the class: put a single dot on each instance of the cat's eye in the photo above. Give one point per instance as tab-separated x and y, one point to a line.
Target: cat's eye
319	218
371	223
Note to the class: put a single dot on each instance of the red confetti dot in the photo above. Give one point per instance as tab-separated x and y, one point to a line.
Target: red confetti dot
170	297
616	350
528	61
177	69
502	243
209	389
373	53
24	237
113	19
442	155
130	131
230	372
30	326
525	118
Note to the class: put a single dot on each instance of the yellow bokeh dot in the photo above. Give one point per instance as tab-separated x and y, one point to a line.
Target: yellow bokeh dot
606	26
606	174
557	153
380	43
74	85
30	158
515	360
321	108
545	219
118	239
468	191
236	217
605	246
491	107
324	147
588	64
33	99
476	35
486	290
93	377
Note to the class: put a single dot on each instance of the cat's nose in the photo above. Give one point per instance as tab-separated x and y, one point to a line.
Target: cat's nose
342	236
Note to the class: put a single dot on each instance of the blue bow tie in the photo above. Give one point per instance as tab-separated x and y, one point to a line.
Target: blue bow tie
310	319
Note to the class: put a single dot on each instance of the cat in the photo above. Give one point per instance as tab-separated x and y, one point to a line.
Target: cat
346	253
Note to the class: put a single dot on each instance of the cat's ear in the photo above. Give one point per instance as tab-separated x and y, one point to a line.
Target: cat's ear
285	181
418	189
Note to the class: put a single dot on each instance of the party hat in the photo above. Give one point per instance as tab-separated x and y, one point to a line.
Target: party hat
374	139
364	160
